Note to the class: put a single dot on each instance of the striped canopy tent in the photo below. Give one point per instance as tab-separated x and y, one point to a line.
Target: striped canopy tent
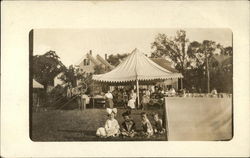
37	84
136	67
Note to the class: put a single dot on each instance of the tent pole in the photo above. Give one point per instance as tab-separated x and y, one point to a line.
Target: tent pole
137	91
181	84
177	85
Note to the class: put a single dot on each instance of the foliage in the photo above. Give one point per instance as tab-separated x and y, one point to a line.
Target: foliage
221	75
173	48
198	52
190	59
99	69
116	59
46	67
69	75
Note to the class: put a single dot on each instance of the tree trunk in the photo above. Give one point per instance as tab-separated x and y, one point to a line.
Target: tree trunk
207	72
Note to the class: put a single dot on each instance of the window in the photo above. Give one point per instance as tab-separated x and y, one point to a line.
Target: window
86	62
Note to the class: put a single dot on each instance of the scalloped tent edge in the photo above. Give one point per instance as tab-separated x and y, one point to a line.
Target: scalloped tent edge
136	67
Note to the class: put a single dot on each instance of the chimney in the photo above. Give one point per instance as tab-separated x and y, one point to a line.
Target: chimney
106	56
90	52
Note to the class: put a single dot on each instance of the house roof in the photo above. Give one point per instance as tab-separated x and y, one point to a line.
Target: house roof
37	84
97	61
164	63
221	58
89	56
104	61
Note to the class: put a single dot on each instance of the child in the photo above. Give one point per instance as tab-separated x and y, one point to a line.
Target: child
146	126
131	102
158	128
111	128
128	126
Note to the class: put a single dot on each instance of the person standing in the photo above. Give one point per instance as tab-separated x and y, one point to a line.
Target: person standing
69	91
109	100
77	93
84	100
145	99
131	102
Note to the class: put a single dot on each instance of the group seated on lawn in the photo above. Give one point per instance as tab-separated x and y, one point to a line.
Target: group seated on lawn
128	126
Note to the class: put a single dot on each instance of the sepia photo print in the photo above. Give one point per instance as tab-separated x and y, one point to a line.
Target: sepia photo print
140	84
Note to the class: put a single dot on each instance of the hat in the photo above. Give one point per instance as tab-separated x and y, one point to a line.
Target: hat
126	113
109	111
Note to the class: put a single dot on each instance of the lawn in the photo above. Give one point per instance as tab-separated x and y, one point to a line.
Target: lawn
75	125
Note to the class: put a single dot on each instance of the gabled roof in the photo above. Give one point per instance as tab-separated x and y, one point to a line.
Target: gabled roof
136	67
221	58
90	57
104	61
37	84
97	61
164	63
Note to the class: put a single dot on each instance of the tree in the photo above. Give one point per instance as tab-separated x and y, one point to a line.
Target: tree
225	50
173	48
201	53
218	73
116	59
99	69
69	75
46	67
192	59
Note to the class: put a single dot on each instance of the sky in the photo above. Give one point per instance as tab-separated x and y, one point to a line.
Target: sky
72	44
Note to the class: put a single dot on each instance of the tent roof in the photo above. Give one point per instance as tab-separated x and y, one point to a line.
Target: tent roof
136	66
37	84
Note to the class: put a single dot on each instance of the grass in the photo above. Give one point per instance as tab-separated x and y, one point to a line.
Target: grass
75	125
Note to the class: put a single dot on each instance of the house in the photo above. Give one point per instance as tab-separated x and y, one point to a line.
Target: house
37	90
88	62
58	80
166	84
222	59
87	65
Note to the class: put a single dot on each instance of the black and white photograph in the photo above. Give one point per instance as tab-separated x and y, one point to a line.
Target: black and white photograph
140	84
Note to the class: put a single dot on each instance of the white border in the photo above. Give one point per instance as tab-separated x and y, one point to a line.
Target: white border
18	18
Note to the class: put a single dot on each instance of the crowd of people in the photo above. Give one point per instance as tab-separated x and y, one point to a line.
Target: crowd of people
128	98
80	94
128	128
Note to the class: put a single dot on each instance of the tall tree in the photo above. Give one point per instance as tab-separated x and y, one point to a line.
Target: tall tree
46	67
69	75
173	48
201	53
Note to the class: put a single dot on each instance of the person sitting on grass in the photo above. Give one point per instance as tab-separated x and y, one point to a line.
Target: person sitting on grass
128	126
157	125
111	127
147	129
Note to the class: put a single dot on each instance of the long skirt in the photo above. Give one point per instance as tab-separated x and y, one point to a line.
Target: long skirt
109	103
131	103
